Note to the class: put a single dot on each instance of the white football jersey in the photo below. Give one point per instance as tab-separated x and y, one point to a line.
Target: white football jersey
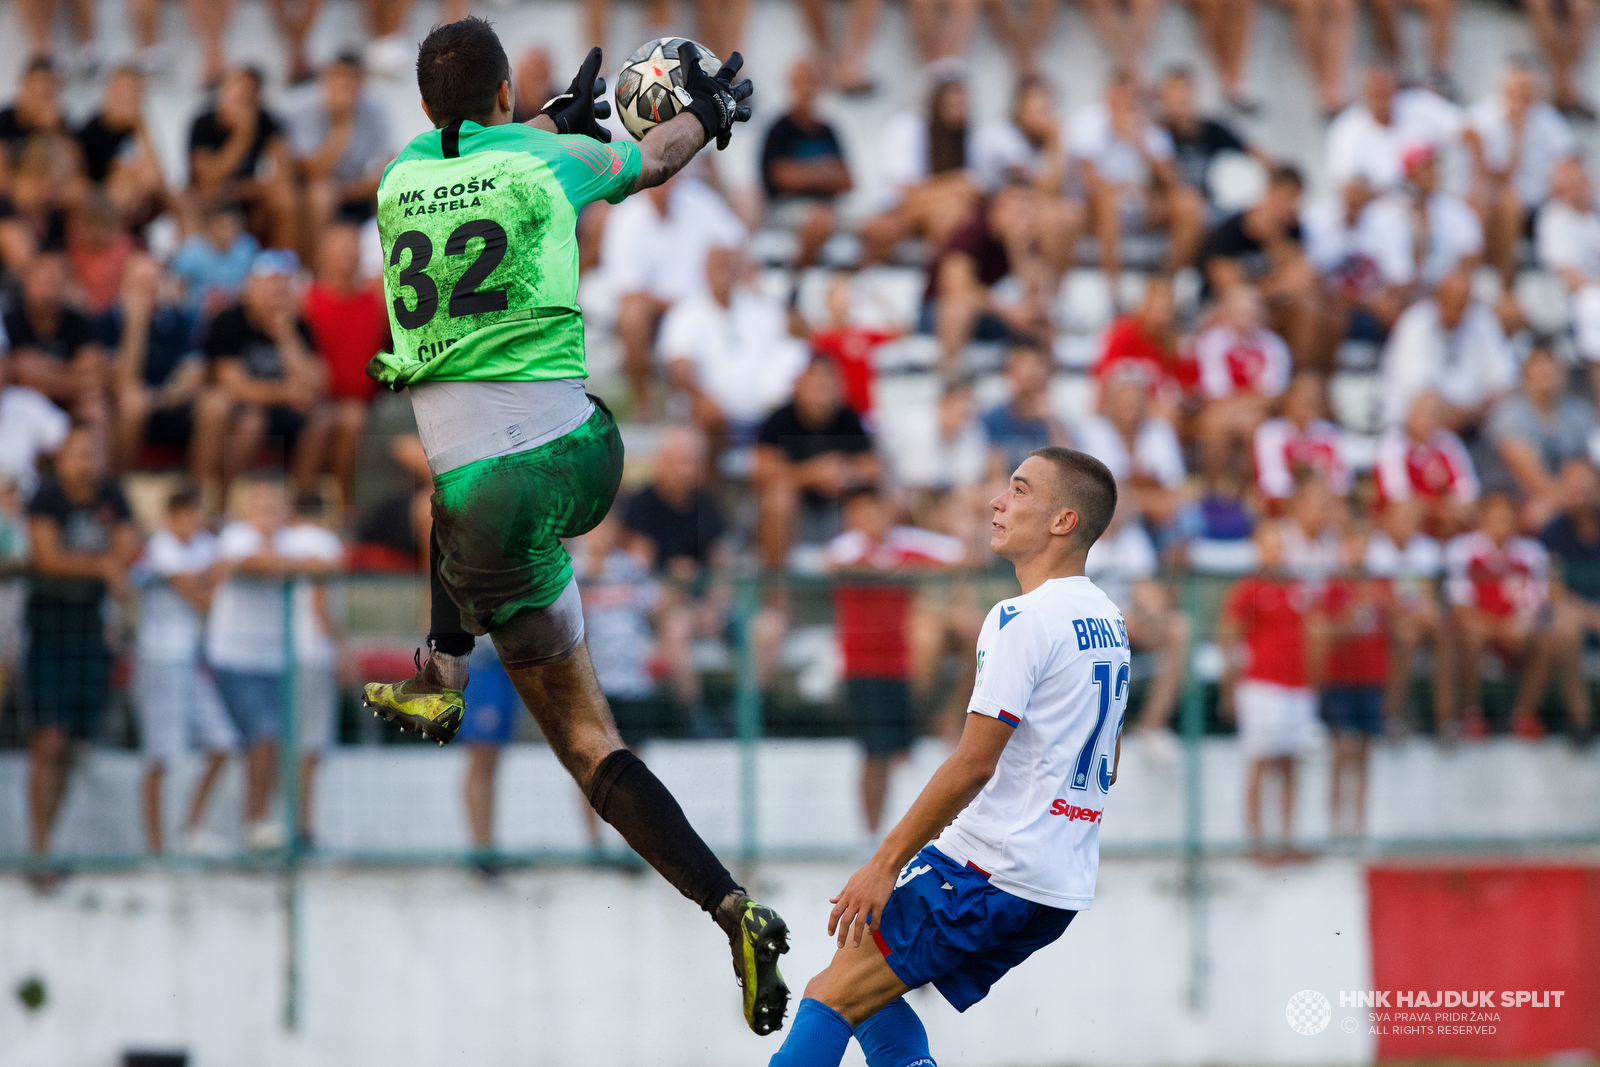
1052	664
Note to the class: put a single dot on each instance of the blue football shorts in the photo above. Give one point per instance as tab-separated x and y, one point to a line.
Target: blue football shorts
946	924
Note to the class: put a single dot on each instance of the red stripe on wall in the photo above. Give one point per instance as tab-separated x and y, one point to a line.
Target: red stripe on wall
1498	928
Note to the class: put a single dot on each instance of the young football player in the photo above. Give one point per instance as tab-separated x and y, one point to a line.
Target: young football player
959	903
477	220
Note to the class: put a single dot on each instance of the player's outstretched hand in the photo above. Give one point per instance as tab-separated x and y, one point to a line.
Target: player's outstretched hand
714	100
861	902
583	105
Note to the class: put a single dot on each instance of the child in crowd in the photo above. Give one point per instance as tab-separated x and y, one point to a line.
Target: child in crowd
214	261
1360	610
175	697
1498	585
1311	533
244	645
314	552
1267	683
872	599
1398	550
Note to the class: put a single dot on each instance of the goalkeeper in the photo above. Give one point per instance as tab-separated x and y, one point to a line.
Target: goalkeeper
477	219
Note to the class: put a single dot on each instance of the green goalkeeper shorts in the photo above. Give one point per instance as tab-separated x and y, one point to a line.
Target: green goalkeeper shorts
500	521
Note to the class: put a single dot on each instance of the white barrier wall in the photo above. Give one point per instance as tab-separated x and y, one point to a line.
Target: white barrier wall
592	969
409	798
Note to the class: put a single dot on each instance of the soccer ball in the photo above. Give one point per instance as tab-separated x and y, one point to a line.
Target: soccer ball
645	96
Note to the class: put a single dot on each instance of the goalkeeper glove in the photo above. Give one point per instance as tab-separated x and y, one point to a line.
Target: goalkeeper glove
715	101
579	109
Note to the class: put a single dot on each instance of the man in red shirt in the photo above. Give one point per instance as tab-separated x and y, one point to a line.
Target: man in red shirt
871	607
1146	343
1360	610
349	325
1266	683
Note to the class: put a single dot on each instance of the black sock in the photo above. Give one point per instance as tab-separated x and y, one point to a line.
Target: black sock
444	622
634	801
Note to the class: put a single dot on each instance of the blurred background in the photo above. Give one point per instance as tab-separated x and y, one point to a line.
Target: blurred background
1318	281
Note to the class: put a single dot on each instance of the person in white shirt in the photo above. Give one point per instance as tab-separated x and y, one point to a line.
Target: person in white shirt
1027	149
921	186
174	696
943	449
245	640
1368	136
653	250
1311	531
31	428
1362	275
244	645
1516	141
1338	237
316	553
1453	345
1567	234
727	352
1130	178
1140	449
941	458
1016	808
1424	232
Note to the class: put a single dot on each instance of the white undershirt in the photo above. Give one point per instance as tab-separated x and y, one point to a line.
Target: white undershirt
450	414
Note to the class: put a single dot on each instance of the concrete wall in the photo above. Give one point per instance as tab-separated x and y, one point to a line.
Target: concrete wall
598	969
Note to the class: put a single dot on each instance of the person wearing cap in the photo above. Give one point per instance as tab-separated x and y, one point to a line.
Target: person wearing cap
1424	233
265	382
340	146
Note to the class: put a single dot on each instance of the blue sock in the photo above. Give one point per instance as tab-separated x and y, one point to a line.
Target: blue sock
894	1037
817	1037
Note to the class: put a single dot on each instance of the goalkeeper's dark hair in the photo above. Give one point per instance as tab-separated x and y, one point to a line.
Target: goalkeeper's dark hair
1085	485
459	70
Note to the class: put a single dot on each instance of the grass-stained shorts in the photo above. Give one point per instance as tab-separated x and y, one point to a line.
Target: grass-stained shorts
499	522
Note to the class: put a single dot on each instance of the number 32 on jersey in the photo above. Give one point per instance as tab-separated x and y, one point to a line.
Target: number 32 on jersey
1109	693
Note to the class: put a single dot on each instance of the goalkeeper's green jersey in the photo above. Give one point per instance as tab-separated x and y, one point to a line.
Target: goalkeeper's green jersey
479	233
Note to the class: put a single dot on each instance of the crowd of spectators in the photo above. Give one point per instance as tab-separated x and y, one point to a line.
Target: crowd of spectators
227	364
